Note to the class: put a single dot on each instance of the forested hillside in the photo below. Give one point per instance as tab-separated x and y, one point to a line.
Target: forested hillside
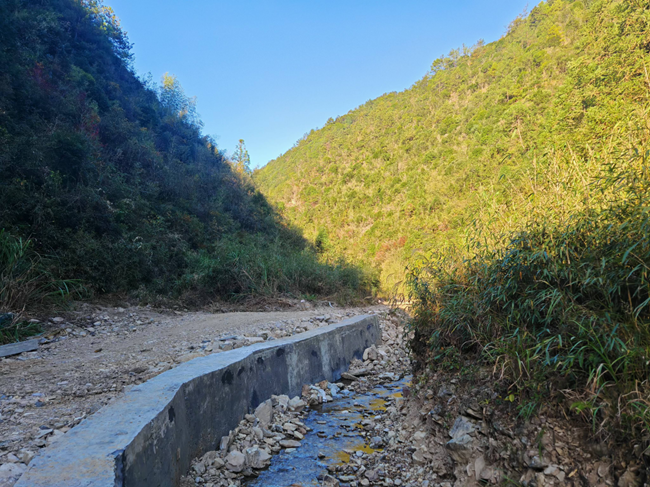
410	172
108	185
509	190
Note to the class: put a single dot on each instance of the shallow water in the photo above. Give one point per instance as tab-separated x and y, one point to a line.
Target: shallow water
340	431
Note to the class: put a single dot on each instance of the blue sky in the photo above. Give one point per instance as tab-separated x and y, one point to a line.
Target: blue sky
270	71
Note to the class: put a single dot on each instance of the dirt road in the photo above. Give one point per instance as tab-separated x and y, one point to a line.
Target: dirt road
95	354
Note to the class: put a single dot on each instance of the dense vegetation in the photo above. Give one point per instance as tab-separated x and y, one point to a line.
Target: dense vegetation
513	183
106	179
407	172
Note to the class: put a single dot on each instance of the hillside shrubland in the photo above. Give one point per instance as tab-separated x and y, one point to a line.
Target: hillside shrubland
107	181
506	194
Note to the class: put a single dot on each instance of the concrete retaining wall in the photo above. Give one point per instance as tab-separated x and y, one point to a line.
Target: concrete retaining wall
148	437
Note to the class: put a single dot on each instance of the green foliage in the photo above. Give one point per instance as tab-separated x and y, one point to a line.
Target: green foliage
12	329
255	265
561	305
417	166
240	159
511	182
110	173
25	279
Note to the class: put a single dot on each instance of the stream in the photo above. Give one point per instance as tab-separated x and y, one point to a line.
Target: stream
336	433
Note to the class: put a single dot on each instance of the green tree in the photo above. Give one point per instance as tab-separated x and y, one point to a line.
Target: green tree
240	159
173	97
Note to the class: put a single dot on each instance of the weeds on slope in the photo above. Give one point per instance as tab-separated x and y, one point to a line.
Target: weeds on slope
25	281
562	307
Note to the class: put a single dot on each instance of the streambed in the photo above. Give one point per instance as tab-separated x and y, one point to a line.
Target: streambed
338	430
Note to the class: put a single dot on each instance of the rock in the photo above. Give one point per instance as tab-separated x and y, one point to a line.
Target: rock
264	412
225	442
348	376
370	354
603	469
188	356
537	463
283	401
460	448
376	442
479	465
26	456
296	404
57	319
257	458
628	479
289	427
462	426
290	444
371	475
418	457
236	461
419	436
258	433
329	481
358	372
209	457
252	340
199	468
473	413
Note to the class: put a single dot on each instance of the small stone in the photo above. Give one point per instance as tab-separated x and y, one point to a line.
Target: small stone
329	481
236	461
188	356
462	426
225	443
479	465
537	463
26	456
370	354
257	458
296	404
603	469
418	457
628	479
258	433
290	444
252	340
460	448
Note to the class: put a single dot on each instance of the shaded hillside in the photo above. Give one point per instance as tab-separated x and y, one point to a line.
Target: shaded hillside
112	180
409	172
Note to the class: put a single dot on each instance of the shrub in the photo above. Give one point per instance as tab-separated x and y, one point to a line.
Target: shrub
563	306
24	277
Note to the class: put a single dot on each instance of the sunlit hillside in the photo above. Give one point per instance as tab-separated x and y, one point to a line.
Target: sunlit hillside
409	172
